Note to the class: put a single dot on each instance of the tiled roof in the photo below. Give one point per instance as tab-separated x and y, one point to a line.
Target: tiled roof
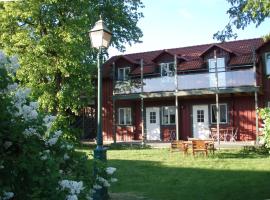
147	69
241	50
241	60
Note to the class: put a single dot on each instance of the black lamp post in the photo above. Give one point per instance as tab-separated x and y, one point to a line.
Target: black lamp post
100	37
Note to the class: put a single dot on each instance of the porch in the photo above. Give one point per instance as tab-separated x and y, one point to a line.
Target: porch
196	117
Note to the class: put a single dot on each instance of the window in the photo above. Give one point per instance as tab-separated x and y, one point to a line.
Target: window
200	115
222	114
123	73
124	116
167	69
268	104
267	63
168	115
220	64
153	118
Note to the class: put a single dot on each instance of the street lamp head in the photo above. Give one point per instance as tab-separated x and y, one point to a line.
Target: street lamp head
100	35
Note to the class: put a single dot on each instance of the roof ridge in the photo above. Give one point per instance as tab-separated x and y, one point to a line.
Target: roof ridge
191	46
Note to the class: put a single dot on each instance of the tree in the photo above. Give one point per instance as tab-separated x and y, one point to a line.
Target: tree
50	39
241	14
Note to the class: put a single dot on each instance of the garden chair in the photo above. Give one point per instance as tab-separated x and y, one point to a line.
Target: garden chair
199	146
179	145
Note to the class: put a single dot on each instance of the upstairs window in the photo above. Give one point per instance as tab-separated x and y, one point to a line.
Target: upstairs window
267	63
124	116
167	69
220	64
223	113
123	73
168	115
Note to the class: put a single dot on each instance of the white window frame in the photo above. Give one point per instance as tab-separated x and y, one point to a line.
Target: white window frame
126	71
169	114
226	114
125	116
220	68
167	69
267	63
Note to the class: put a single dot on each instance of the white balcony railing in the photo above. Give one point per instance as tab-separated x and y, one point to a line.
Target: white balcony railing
227	79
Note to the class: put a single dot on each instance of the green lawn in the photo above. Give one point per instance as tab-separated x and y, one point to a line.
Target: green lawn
157	174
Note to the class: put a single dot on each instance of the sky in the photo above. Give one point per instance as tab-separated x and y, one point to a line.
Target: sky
178	23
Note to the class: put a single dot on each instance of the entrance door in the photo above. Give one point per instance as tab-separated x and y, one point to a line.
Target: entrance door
153	123
200	122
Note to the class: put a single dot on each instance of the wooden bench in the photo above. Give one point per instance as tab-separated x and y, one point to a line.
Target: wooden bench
179	145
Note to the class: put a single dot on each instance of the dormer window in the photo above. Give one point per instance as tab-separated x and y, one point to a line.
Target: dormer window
267	63
123	73
220	64
167	69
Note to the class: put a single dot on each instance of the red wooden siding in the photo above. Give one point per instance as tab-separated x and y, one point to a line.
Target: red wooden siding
107	109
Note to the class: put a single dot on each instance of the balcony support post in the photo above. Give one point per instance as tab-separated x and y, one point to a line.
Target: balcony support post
217	98
113	107
176	99
255	95
142	106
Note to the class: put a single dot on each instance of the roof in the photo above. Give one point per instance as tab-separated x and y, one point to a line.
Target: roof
241	51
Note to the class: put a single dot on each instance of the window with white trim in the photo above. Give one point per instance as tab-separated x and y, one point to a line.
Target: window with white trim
267	63
167	69
123	73
223	114
168	115
268	104
124	116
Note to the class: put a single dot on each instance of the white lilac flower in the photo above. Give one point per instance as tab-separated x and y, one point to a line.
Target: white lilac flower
7	144
44	157
74	187
97	187
66	156
113	180
12	87
48	120
110	170
51	141
2	167
30	132
7	195
61	171
72	197
106	183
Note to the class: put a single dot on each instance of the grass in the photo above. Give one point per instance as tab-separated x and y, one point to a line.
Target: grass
157	174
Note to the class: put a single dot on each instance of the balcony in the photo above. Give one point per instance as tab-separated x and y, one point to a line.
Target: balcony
228	79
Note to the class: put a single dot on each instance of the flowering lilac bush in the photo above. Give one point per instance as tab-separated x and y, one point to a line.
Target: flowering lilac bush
265	114
37	161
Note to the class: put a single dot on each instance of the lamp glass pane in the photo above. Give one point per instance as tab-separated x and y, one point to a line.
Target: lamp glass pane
96	38
106	39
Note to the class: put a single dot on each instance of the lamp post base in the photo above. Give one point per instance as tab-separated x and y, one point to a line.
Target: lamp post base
100	155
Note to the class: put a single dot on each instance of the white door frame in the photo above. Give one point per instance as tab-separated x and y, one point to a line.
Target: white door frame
200	121
153	124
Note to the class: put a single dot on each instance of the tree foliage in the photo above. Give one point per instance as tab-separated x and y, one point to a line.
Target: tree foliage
50	38
241	14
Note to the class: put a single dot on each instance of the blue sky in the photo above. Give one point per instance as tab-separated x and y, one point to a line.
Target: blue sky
176	23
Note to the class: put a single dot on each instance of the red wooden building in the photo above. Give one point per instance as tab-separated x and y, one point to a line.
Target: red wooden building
174	92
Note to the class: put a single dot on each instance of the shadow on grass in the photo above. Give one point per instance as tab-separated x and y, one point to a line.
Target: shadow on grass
195	179
157	182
